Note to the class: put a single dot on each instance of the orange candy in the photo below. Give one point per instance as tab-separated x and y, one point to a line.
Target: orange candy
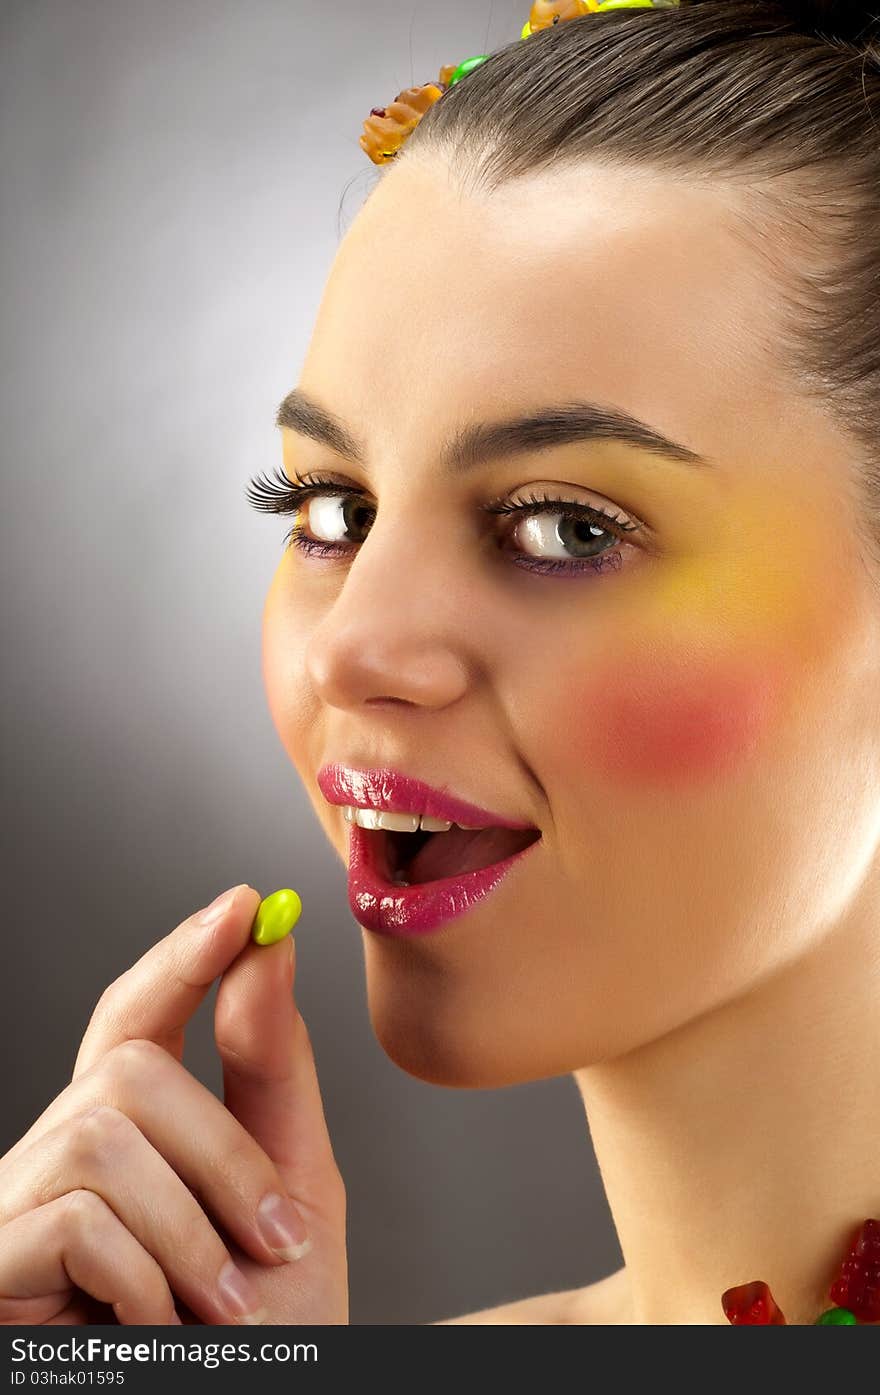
386	128
547	12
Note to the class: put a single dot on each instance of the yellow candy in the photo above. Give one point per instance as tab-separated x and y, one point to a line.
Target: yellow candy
276	916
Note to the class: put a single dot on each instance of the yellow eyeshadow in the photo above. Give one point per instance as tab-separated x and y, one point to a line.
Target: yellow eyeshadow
763	571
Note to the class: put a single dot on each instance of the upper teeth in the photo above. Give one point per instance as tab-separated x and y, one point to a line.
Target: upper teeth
399	823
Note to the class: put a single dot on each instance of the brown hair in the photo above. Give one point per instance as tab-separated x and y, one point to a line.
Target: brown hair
775	96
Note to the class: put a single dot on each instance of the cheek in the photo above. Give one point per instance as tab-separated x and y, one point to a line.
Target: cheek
284	635
272	647
678	719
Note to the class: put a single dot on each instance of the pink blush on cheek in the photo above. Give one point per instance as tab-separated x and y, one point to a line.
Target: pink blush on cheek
662	721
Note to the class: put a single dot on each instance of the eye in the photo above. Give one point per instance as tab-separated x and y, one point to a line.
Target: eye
332	516
551	535
561	536
564	535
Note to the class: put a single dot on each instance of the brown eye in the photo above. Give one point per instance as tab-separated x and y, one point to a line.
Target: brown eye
330	517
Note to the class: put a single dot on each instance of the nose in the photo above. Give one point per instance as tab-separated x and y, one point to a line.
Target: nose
396	631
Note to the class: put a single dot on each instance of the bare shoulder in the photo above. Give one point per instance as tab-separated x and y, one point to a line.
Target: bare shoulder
601	1303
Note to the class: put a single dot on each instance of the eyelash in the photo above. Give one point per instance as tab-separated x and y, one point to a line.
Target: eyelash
283	497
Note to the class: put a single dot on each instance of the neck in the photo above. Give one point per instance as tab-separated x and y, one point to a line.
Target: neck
746	1144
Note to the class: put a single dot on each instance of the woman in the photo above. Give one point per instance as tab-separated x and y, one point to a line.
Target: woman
584	461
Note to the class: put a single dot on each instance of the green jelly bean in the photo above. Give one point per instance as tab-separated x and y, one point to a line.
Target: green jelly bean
276	916
467	67
836	1317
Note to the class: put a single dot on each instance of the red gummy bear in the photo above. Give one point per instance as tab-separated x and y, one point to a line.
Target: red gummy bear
857	1285
752	1305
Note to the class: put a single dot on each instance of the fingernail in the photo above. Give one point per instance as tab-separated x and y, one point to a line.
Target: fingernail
282	1227
238	1296
220	904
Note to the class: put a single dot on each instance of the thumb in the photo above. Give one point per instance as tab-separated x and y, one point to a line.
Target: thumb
270	1082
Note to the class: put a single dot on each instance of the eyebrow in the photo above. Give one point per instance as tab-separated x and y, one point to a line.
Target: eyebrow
478	443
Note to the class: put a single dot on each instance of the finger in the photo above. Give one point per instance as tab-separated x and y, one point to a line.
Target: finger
104	1152
78	1241
208	1148
158	995
270	1083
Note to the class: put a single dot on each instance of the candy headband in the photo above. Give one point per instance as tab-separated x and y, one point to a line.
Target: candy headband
386	128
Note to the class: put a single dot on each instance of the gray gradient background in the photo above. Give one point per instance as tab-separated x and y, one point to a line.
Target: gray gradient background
176	178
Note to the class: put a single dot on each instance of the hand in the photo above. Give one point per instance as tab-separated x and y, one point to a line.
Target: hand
136	1186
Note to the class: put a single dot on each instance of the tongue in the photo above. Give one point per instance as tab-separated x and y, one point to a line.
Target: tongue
464	850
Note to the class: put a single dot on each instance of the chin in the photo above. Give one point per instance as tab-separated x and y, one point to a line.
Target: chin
460	1063
434	1035
447	1062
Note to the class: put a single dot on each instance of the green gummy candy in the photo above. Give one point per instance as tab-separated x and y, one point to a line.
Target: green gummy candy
836	1317
276	916
467	67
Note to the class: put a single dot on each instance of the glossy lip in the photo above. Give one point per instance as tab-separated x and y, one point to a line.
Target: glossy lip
378	904
377	789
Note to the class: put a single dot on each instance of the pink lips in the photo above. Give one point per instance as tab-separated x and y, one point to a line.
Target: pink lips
378	904
377	789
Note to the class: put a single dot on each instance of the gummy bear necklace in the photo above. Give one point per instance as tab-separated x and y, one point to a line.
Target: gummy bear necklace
855	1290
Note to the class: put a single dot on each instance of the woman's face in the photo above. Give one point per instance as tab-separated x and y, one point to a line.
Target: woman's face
686	709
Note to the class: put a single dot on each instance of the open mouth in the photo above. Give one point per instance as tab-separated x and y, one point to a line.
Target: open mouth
409	859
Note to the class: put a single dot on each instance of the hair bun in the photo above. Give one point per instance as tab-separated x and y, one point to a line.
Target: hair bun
855	21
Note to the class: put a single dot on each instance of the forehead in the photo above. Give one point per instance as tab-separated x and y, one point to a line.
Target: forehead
601	283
